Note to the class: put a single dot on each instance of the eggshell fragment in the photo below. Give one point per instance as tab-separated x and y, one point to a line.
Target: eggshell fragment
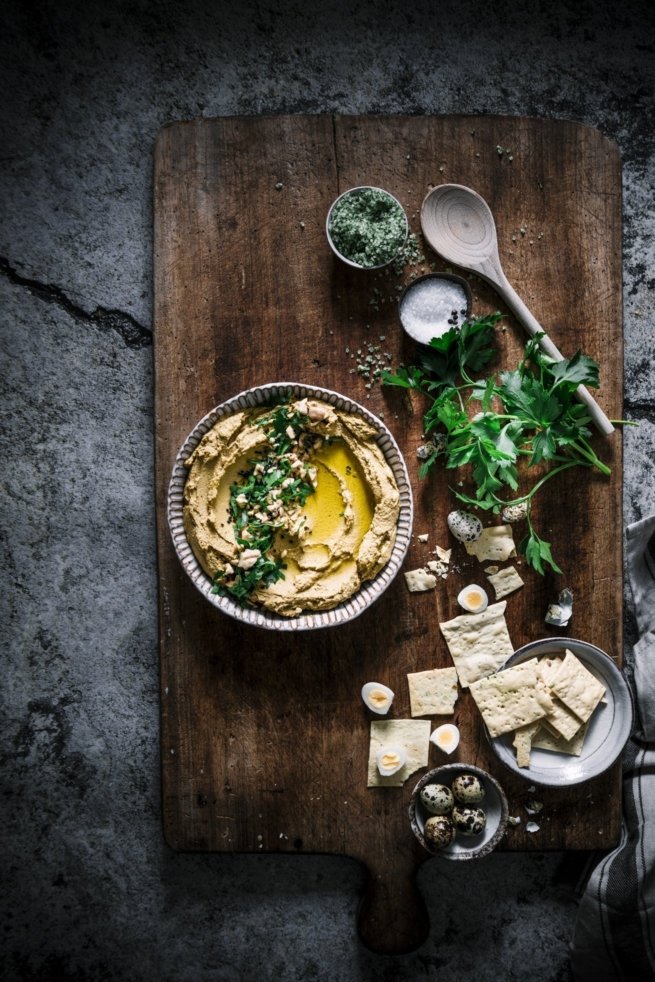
377	697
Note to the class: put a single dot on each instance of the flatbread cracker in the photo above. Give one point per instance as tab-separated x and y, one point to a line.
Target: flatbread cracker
496	543
478	643
523	742
561	721
505	581
411	734
433	693
543	740
418	580
577	687
508	700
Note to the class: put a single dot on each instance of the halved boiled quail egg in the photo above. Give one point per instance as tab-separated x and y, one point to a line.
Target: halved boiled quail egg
390	759
446	737
378	697
473	598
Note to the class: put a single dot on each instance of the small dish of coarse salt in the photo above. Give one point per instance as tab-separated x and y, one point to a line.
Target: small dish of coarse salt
434	303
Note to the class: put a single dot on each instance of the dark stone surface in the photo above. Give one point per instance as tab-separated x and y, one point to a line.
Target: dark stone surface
90	890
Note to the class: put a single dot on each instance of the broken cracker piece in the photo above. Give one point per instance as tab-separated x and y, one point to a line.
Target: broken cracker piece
495	543
522	741
418	580
506	581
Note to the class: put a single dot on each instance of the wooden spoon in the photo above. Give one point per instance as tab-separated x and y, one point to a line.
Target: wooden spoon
459	225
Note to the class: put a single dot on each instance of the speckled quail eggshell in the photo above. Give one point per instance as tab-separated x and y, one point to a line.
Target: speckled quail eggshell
514	513
464	527
439	831
468	821
437	799
467	789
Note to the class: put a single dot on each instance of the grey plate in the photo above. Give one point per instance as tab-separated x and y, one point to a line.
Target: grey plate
608	730
369	591
494	805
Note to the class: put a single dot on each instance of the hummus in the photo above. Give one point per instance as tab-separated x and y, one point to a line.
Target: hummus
291	508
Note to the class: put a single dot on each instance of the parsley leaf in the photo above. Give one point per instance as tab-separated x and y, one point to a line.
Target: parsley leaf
503	425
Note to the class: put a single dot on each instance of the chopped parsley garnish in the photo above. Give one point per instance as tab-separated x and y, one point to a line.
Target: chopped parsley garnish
267	500
520	419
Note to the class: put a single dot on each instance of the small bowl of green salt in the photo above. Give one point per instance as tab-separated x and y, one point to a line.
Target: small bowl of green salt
367	227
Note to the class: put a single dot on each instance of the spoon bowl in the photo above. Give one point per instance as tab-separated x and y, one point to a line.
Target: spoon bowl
459	225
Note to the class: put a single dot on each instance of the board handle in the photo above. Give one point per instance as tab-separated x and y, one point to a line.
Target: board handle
393	918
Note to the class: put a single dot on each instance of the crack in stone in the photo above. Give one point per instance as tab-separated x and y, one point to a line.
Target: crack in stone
134	334
642	409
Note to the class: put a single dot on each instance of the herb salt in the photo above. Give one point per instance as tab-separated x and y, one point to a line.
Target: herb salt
368	227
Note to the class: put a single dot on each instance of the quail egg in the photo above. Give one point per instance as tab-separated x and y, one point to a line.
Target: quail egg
514	513
468	821
467	789
439	831
446	737
473	598
464	526
390	759
378	697
437	799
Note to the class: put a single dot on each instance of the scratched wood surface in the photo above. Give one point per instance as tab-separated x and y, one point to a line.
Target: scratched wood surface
264	738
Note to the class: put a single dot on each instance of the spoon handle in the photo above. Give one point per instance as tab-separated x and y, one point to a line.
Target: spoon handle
532	326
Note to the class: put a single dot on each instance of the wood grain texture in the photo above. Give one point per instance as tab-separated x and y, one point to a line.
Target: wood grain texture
264	736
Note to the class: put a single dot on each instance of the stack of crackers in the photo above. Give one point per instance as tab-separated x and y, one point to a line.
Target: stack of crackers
546	702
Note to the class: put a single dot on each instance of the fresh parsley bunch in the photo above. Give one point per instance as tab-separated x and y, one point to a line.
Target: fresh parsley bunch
505	423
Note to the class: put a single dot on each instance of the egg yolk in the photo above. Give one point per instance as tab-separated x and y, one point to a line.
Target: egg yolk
378	697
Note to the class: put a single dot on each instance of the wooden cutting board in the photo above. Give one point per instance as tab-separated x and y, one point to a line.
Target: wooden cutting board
264	736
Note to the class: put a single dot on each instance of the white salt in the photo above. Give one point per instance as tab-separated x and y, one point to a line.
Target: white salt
431	306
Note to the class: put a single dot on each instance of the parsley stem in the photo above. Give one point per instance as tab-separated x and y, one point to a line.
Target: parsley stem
540	483
589	454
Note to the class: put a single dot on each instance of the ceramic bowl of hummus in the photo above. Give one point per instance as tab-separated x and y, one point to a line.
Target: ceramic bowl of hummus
290	507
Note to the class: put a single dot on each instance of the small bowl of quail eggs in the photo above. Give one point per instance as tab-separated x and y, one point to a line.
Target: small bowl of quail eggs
458	811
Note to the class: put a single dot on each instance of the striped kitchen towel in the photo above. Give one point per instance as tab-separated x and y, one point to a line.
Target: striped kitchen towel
614	936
